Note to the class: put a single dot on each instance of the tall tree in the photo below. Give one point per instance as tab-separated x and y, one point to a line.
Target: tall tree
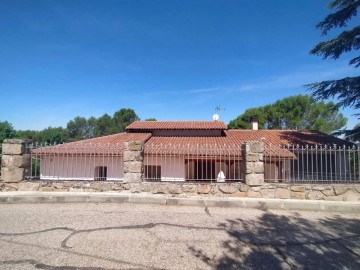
295	112
346	90
53	135
50	135
243	120
7	131
103	125
354	134
77	128
82	128
123	118
91	127
28	134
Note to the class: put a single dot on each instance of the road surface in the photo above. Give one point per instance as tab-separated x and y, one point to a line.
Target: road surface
137	236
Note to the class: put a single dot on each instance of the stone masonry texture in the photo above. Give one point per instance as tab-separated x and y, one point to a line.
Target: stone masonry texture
328	192
133	161
253	167
15	160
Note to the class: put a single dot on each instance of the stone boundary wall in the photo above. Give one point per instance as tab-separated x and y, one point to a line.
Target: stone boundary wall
15	160
253	164
330	192
133	161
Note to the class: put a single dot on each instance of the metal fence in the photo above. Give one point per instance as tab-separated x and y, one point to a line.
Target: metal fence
312	164
77	161
196	163
162	162
192	163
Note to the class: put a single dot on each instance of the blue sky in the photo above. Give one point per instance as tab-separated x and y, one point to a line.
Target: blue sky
172	60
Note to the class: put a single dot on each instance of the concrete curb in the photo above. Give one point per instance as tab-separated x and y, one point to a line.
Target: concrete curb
107	197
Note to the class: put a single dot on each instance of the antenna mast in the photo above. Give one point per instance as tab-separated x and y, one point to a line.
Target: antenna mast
216	114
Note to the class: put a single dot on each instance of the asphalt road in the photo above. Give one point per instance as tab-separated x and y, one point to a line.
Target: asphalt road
134	236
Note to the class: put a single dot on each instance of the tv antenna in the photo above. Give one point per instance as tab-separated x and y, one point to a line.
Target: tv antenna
216	114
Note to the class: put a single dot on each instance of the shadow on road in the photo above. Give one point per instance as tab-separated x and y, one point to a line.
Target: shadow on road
287	242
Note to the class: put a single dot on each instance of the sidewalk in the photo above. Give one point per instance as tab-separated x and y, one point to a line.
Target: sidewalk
111	197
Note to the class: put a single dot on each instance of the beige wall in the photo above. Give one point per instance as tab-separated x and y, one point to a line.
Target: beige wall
79	167
180	168
172	167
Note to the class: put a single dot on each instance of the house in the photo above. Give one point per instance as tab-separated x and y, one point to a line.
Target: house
199	151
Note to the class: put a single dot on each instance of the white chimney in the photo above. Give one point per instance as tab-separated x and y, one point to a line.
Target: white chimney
254	122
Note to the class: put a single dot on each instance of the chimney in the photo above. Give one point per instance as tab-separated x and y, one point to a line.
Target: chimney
254	122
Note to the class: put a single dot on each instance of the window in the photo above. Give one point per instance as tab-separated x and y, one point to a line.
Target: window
152	172
100	173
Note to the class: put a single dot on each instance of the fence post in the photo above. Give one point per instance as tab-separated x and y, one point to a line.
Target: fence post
133	158
253	165
15	160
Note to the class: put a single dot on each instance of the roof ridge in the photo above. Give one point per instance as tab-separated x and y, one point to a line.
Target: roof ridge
177	125
177	121
277	130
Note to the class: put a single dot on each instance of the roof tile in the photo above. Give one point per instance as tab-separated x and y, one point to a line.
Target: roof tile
230	144
182	125
101	145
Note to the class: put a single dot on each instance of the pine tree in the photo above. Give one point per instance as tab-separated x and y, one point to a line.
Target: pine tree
346	90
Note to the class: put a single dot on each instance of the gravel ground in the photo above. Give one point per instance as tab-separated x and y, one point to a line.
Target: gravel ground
137	236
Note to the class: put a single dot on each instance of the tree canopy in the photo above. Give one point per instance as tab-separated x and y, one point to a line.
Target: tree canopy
354	135
7	131
50	135
346	90
103	125
81	128
294	112
76	129
122	119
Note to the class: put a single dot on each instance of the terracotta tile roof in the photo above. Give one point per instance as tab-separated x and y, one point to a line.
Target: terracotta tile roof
273	137
173	125
224	145
286	137
116	138
210	146
101	145
231	143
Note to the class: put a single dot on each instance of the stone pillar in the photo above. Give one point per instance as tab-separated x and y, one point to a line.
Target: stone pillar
133	161
15	160
253	163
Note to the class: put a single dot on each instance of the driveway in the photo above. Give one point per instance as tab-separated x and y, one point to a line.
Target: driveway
137	236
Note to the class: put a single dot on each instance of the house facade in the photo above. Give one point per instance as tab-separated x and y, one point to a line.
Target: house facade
198	151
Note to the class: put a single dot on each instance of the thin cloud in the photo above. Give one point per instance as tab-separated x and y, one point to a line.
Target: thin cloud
295	80
288	82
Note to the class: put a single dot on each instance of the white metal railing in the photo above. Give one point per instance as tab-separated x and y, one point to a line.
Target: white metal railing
77	161
192	162
312	164
196	162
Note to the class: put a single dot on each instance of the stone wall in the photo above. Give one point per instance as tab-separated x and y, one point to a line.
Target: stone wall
253	164
133	161
331	192
15	160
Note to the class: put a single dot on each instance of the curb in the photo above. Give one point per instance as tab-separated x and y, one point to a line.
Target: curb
106	197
